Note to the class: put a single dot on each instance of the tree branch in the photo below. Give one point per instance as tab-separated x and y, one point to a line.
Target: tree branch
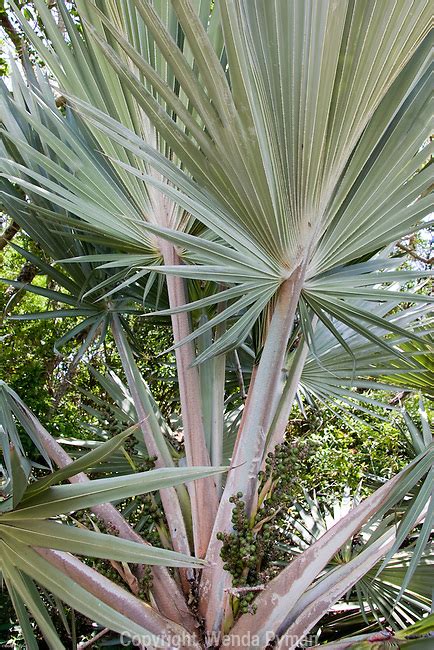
8	234
10	31
413	253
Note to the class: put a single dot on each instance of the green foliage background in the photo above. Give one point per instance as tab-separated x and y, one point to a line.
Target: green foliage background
32	367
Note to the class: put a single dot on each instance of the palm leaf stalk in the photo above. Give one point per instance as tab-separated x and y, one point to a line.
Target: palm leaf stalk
167	593
325	594
170	499
262	151
377	596
119	599
282	594
203	494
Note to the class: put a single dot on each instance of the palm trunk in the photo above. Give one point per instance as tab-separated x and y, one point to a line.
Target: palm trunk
8	234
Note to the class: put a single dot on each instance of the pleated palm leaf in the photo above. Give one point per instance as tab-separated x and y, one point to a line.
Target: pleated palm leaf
335	366
415	604
288	142
419	380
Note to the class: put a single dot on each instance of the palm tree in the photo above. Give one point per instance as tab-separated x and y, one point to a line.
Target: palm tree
262	156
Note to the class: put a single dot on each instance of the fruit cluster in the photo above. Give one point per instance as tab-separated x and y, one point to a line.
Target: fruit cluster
251	551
